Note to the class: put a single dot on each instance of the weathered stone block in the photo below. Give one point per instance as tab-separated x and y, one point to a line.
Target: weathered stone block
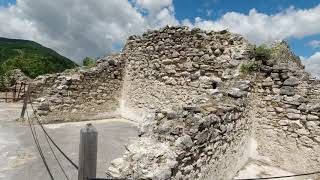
293	116
311	117
291	81
287	90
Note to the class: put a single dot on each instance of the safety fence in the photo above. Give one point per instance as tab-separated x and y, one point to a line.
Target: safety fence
88	150
13	93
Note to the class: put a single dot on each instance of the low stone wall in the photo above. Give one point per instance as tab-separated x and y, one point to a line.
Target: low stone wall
80	94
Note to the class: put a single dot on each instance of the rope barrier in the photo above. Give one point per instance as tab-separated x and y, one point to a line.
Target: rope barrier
35	138
278	177
39	122
105	179
56	158
33	131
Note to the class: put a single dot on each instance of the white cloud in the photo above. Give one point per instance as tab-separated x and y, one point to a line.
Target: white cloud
160	12
78	28
153	6
187	22
209	12
165	17
260	27
312	64
314	43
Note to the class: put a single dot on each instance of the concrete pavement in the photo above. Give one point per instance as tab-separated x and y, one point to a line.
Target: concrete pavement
19	159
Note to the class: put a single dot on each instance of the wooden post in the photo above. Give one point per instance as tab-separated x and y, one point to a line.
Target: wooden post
88	152
20	90
14	92
24	88
25	101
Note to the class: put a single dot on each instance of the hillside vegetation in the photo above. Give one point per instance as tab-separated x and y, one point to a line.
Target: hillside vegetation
32	58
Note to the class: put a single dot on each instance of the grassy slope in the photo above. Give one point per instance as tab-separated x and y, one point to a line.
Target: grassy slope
32	58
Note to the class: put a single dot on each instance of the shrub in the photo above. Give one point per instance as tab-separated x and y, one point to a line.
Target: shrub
2	79
3	86
249	67
262	52
89	62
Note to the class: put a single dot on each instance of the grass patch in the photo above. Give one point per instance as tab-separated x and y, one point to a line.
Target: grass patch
249	67
260	54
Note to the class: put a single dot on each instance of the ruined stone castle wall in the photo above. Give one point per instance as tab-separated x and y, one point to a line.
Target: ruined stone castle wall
287	121
200	116
185	89
189	82
81	94
274	118
176	66
204	142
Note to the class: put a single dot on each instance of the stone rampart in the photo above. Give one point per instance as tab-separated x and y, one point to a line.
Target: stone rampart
287	121
186	89
201	116
80	94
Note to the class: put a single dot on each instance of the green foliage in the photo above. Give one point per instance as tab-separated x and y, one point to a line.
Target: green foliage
32	58
249	67
6	79
2	79
262	52
89	62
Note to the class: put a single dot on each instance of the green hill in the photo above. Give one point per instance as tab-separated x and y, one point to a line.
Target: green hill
32	58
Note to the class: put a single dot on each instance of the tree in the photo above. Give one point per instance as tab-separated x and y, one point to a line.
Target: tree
89	62
2	79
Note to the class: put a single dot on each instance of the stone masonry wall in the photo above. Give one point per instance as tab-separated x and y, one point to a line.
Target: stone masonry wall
175	66
198	112
192	143
190	85
287	126
277	107
80	94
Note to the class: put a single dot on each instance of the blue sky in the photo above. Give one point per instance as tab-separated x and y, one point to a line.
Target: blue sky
193	8
6	2
79	28
214	9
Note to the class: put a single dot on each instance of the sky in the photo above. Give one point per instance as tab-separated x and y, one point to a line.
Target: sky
79	28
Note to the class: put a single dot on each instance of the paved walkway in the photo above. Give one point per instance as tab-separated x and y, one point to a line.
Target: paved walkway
19	159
